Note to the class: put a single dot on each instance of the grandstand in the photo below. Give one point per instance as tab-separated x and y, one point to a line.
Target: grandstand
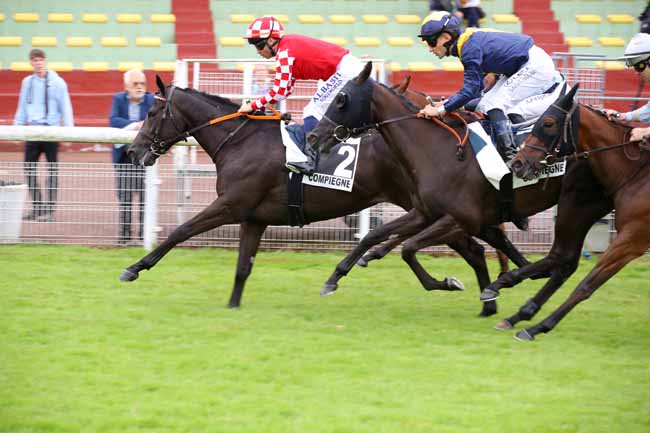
91	42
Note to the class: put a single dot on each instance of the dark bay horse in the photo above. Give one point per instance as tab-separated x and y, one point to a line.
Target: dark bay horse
452	197
568	129
251	186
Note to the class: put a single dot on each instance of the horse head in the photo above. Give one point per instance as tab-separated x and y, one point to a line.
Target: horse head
553	135
350	109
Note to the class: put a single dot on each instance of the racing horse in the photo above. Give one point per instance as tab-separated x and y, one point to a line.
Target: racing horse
569	130
252	187
451	196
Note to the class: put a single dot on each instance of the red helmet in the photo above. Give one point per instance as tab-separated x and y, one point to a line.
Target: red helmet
265	27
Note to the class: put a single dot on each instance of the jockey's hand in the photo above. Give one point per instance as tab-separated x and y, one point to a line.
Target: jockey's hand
639	134
611	114
246	107
431	110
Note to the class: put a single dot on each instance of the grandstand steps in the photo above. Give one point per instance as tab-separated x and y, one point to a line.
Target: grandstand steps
194	29
538	20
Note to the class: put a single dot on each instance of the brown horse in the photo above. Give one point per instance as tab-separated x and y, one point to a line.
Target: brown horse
452	196
252	187
572	131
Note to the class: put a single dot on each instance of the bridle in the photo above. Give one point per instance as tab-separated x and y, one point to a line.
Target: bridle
159	147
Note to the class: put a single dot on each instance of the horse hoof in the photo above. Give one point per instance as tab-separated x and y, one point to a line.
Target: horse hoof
127	275
362	262
233	306
489	309
328	289
524	335
503	325
454	284
489	295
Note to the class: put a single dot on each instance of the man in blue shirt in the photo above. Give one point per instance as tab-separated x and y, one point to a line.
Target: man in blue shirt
128	111
525	70
43	100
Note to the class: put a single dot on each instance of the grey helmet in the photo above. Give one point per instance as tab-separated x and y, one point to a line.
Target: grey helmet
638	49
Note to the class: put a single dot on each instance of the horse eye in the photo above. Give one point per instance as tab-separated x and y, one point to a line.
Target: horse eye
341	100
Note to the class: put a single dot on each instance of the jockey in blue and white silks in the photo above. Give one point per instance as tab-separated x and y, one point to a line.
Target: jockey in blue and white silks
525	70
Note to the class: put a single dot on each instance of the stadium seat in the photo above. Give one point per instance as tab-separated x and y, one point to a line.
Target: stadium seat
611	66
125	66
241	18
128	18
94	18
94	66
611	41
21	66
10	41
421	66
452	66
394	67
311	19
367	41
579	41
588	19
400	41
342	19
505	18
147	41
60	66
114	41
336	40
44	41
164	66
79	41
162	18
232	41
2	17
375	19
408	19
60	18
620	18
280	17
26	17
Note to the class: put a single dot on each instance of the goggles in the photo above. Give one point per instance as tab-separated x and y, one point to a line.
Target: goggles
259	44
640	67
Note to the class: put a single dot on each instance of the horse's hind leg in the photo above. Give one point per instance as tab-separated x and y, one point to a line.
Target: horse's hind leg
250	235
381	251
632	241
496	237
215	215
404	226
444	231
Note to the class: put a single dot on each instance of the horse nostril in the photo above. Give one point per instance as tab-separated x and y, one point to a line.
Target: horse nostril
517	167
312	138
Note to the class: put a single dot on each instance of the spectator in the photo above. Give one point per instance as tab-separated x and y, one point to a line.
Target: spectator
469	10
440	5
44	101
128	111
644	18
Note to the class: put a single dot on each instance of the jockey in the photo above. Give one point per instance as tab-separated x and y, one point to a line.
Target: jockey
637	56
300	57
525	70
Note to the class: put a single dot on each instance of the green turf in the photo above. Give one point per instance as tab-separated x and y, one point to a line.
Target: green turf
81	352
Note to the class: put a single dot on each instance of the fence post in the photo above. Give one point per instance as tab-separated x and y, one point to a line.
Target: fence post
364	223
152	181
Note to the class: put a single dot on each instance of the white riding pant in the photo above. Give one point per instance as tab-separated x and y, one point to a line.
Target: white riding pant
349	67
533	78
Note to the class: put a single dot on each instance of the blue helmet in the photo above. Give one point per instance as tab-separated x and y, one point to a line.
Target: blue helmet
437	22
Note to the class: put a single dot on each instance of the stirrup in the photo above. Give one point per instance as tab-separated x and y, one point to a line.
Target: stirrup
300	167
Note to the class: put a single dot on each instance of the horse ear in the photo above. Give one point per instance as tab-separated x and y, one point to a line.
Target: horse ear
573	91
566	101
563	91
365	73
161	85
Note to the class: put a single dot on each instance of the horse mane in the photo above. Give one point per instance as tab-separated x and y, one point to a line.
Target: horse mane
213	100
616	122
404	99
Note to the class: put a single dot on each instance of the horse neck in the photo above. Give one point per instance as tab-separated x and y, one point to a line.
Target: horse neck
611	167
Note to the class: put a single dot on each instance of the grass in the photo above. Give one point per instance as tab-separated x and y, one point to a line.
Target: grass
81	352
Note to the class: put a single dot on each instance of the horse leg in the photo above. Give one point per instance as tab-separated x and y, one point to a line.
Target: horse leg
501	256
496	237
474	255
381	251
215	215
250	235
404	226
632	241
444	231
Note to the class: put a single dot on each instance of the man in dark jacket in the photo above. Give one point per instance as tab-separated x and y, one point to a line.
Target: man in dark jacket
128	111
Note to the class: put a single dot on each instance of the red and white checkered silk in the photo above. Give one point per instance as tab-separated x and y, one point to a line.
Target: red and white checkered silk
265	27
282	82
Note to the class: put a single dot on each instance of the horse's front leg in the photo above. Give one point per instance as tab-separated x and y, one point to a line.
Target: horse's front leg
632	241
215	215
402	227
250	235
381	251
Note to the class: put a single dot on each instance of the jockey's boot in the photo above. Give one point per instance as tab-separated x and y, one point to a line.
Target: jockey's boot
506	145
306	167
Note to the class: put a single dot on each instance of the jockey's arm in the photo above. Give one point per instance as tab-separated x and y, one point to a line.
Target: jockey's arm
639	134
641	114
